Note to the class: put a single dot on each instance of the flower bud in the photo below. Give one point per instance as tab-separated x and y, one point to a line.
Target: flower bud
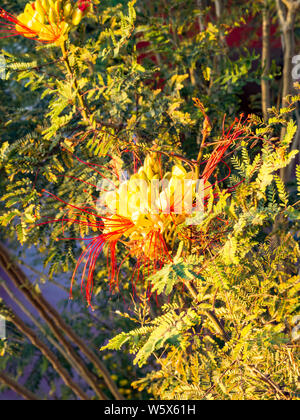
178	171
65	27
40	8
152	166
45	5
29	10
149	171
85	6
167	176
77	17
52	16
142	174
68	9
51	4
58	9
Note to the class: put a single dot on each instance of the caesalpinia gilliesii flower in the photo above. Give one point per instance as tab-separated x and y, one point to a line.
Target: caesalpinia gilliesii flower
143	213
47	21
148	220
155	203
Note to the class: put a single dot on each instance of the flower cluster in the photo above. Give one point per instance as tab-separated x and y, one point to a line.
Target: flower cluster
148	212
47	21
155	203
144	213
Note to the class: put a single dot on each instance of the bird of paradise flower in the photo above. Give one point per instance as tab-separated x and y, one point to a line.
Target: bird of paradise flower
149	235
46	21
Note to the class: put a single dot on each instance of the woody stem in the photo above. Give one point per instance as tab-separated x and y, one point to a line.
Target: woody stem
17	387
200	154
210	314
59	329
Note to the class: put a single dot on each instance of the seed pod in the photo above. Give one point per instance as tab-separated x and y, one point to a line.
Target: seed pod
77	17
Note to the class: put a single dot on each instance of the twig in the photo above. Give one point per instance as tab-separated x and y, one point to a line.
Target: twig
49	355
266	61
19	389
22	283
267	380
56	323
33	319
210	314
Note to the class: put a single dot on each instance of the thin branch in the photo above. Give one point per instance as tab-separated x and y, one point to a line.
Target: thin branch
33	319
200	17
266	62
57	324
268	381
281	12
19	389
48	354
22	283
39	273
210	314
286	10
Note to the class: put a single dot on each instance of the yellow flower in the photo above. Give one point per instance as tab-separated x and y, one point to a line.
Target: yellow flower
155	203
47	21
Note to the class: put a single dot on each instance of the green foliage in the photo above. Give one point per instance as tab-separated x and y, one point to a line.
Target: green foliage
230	317
219	321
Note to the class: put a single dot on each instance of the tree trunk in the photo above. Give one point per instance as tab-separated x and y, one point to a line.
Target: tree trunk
266	63
289	52
286	10
200	18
